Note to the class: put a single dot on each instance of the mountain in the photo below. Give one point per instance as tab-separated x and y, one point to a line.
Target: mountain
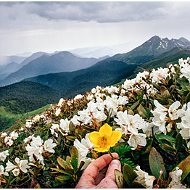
71	83
164	60
150	49
14	63
5	70
47	63
12	58
32	57
113	69
104	73
26	96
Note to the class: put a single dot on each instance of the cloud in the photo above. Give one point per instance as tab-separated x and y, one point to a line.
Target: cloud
48	26
83	11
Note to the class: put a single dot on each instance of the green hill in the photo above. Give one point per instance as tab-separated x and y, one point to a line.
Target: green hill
26	96
8	119
72	83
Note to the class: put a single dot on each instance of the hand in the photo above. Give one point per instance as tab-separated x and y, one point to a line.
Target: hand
94	177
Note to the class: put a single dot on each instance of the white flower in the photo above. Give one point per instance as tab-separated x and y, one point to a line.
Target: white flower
160	108
53	129
79	96
159	118
75	120
130	123
3	155
16	172
8	141
188	144
21	129
111	104
185	133
36	118
61	101
122	100
144	178
29	123
13	135
173	112
185	68
28	139
9	166
64	125
2	171
4	134
159	74
58	111
176	179
128	84
137	139
112	89
37	141
49	145
35	149
83	148
22	164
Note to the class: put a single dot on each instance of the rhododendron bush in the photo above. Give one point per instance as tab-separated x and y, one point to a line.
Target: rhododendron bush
146	120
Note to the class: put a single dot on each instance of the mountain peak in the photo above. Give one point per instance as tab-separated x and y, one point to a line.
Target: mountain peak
154	38
184	40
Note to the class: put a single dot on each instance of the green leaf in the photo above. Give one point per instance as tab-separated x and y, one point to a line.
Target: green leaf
135	105
142	111
60	171
129	174
184	165
156	163
63	178
64	164
118	178
71	126
164	91
179	141
168	148
70	138
187	98
165	138
74	158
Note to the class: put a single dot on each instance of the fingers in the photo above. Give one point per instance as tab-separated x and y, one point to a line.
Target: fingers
91	172
109	180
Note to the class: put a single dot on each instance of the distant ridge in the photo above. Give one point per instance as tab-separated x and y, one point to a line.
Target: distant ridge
42	63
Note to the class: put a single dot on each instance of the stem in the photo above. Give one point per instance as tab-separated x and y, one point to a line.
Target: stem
111	155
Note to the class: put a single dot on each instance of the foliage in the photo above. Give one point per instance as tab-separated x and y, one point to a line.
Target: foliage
152	113
21	97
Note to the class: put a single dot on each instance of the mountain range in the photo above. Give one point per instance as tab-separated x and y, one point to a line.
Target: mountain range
67	74
43	63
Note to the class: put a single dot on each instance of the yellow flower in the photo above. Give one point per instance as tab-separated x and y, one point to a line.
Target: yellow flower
105	138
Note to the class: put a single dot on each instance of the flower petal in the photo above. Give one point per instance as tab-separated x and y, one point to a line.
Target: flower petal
115	137
102	149
105	130
94	136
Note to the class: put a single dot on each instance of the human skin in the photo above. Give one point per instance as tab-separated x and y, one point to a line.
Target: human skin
94	176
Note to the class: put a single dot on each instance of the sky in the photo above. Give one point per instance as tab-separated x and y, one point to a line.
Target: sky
56	26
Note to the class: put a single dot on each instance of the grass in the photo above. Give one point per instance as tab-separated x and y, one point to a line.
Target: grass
8	119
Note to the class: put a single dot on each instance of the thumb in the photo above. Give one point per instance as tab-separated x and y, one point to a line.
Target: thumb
109	180
115	164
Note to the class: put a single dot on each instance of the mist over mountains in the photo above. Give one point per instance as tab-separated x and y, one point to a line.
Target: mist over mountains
65	74
43	63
